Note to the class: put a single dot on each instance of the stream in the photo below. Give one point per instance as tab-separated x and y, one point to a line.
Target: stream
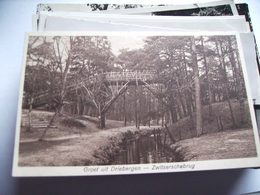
145	149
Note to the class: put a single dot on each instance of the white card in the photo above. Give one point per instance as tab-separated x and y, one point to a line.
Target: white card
174	71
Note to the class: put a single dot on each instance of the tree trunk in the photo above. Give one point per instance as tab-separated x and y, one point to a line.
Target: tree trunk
238	80
183	112
139	106
78	102
170	134
199	128
102	120
173	115
125	120
162	120
29	115
136	114
63	89
207	77
50	122
219	123
149	115
226	87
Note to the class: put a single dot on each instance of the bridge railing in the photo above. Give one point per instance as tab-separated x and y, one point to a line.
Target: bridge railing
130	75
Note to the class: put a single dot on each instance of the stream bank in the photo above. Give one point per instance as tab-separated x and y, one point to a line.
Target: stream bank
229	144
97	148
146	146
103	147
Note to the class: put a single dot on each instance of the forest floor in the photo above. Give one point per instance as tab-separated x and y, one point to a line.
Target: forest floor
88	145
97	148
222	145
75	140
90	149
74	127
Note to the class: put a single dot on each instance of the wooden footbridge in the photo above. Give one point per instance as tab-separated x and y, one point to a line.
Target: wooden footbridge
115	78
132	76
119	80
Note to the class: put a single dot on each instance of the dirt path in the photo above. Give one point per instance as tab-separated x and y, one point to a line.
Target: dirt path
68	137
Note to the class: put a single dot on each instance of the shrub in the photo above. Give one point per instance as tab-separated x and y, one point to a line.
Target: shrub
71	122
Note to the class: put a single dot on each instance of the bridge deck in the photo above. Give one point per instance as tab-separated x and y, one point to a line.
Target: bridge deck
130	76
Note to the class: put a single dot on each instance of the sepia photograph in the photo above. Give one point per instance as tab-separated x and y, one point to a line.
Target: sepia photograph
220	8
226	6
128	99
88	7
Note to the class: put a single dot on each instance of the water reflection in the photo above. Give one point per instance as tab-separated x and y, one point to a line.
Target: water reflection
146	149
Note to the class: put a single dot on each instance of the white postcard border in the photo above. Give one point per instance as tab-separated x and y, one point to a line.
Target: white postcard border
140	168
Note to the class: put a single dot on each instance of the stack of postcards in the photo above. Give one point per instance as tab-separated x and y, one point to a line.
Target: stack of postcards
125	89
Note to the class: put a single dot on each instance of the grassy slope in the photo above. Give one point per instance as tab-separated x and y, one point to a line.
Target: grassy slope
94	148
184	128
90	124
97	148
222	145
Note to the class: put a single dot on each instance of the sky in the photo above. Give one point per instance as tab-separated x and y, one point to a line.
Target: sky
122	42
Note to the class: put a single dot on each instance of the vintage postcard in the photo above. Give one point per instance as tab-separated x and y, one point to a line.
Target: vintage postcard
87	22
87	7
224	7
214	8
217	8
108	103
